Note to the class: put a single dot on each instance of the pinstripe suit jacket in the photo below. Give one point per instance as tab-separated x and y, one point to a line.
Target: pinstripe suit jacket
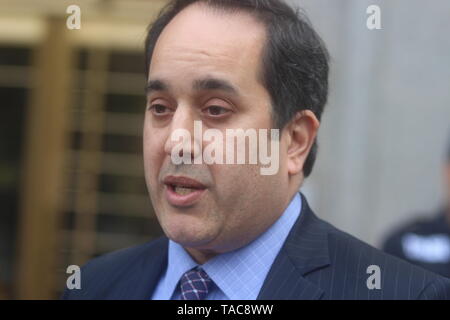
317	261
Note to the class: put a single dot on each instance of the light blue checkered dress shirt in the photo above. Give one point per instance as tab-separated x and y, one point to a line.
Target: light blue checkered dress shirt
238	274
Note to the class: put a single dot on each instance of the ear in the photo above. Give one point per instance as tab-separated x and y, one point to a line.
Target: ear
301	132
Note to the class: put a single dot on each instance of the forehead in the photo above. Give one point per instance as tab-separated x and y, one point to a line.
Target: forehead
202	39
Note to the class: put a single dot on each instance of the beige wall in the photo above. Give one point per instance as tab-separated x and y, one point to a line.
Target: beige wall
388	118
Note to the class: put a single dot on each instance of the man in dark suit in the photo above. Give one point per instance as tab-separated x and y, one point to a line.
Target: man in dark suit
240	230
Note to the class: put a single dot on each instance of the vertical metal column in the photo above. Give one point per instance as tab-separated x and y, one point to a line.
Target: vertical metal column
92	127
42	182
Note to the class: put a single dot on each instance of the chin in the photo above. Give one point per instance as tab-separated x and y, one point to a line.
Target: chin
189	233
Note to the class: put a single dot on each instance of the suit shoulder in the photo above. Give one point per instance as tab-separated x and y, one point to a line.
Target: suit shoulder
122	257
399	279
100	272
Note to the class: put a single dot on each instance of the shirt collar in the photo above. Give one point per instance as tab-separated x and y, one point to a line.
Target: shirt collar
179	262
240	274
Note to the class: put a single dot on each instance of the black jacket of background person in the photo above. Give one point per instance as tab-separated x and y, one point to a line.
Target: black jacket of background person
317	261
424	242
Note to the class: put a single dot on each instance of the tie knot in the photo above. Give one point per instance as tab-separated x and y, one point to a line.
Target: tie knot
195	284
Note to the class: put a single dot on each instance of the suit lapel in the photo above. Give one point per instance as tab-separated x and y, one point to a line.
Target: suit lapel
140	282
305	250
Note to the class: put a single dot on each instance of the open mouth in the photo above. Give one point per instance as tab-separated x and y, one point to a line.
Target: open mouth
182	190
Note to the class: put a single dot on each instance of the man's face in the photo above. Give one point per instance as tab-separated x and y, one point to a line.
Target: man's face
238	203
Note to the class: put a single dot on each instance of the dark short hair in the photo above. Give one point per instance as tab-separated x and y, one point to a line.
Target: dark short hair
294	66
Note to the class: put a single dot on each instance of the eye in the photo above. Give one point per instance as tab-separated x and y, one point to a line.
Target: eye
159	109
216	111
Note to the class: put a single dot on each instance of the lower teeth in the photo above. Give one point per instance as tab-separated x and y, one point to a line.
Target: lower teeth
183	191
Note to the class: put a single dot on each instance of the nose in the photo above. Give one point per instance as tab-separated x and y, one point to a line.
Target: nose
183	138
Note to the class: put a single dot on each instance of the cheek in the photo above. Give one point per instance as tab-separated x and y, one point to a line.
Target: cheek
153	150
245	198
236	184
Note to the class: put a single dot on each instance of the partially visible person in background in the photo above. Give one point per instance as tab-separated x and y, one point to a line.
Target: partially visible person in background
426	242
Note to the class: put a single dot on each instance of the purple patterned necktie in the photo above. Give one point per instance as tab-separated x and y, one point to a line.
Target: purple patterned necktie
195	285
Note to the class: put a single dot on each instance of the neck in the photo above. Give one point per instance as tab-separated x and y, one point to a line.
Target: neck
201	256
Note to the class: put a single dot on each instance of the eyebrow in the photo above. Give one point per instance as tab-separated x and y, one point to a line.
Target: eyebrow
156	85
215	84
208	83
